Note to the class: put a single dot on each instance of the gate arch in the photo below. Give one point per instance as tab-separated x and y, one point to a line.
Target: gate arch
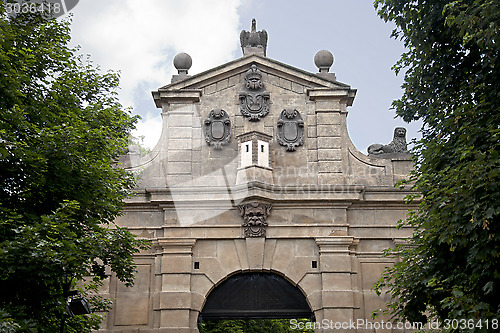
254	295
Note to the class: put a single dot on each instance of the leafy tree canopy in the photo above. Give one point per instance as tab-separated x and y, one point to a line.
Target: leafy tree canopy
61	129
452	83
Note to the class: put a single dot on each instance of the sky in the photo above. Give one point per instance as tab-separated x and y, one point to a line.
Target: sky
140	38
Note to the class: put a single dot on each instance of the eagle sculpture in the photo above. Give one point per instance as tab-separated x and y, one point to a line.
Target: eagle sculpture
253	38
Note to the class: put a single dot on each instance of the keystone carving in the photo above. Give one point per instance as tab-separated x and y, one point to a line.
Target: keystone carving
254	99
254	218
397	146
290	129
217	128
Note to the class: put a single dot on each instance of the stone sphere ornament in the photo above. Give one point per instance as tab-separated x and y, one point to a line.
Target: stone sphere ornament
183	62
323	60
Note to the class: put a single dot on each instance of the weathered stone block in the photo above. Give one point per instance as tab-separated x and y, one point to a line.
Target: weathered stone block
223	84
340	299
334	154
311	131
179	155
371	273
228	257
175	300
269	249
298	88
337	281
212	269
205	249
328	105
328	142
176	282
335	263
328	118
273	79
180	120
328	130
299	267
310	283
338	315
174	263
180	132
284	253
241	250
330	166
132	309
174	318
315	300
210	89
234	80
179	167
201	284
286	84
255	252
179	144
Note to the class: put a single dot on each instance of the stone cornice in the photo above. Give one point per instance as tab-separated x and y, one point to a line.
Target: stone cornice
176	96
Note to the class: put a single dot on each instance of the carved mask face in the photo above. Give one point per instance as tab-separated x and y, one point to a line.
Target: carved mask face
254	216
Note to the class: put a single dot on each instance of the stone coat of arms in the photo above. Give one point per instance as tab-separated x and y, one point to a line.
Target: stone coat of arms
254	99
217	129
290	131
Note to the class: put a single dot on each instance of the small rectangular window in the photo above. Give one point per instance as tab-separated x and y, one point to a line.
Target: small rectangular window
196	265
248	148
314	264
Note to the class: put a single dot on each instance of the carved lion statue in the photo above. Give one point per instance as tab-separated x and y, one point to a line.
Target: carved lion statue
397	145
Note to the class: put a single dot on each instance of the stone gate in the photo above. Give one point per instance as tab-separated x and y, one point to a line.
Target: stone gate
255	177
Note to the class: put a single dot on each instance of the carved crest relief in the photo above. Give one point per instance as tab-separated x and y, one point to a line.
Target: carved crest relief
254	218
290	131
217	128
254	99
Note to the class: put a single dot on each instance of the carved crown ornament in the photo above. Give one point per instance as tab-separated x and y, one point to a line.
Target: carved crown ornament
254	99
254	218
217	128
290	131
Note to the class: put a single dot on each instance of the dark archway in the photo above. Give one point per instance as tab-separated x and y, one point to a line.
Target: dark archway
256	295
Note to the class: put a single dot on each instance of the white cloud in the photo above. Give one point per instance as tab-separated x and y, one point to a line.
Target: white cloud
148	127
140	39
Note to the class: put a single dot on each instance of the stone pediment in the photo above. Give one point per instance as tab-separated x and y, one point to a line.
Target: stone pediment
274	72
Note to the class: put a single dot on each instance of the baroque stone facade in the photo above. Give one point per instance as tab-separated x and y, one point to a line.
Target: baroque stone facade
208	211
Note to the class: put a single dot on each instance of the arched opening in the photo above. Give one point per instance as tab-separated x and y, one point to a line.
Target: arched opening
256	295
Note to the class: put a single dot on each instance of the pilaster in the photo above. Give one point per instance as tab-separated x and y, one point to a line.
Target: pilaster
331	130
174	299
337	266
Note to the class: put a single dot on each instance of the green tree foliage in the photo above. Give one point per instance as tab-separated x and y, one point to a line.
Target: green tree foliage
256	326
61	129
452	84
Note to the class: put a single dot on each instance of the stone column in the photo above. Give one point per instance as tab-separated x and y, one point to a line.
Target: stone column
337	267
174	301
